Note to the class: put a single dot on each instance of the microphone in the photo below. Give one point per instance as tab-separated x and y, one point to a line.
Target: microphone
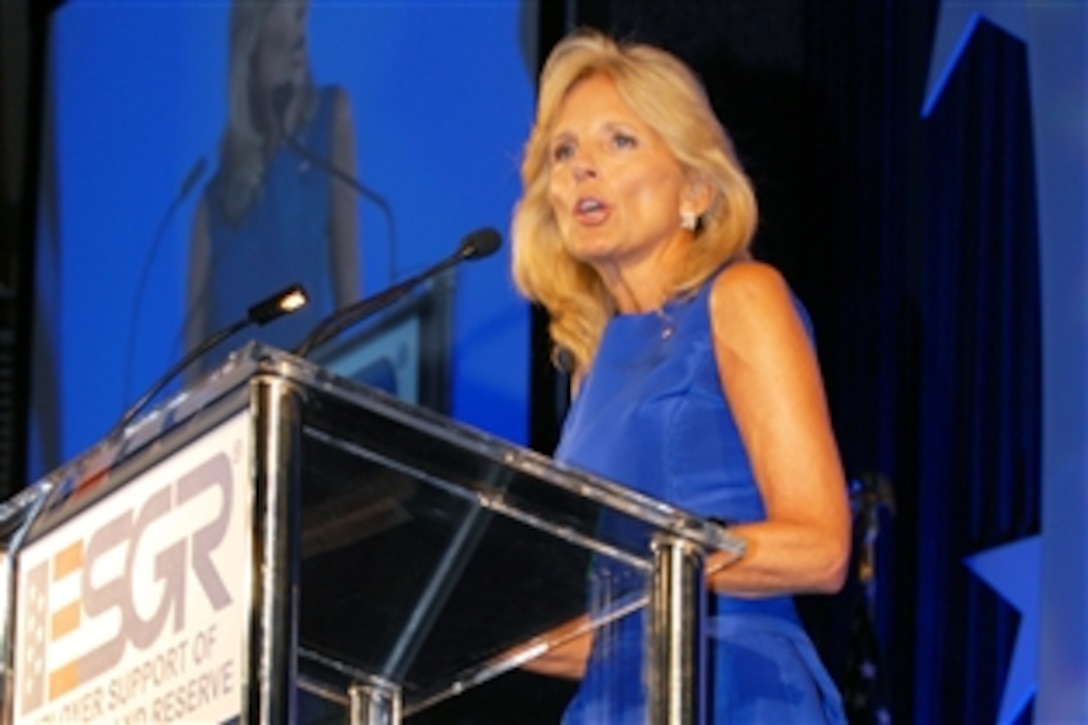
282	303
187	185
281	98
477	245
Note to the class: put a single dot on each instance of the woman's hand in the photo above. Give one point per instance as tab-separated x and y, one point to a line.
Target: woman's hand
564	650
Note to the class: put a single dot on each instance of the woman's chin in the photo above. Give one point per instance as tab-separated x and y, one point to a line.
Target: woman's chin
591	248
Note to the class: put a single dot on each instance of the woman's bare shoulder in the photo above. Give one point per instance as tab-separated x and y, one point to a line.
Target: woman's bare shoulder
748	288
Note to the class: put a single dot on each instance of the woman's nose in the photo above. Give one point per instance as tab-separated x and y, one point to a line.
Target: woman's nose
584	168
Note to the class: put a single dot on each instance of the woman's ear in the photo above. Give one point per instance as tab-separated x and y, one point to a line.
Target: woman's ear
698	196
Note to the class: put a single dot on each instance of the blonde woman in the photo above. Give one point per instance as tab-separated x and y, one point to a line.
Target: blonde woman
269	218
694	376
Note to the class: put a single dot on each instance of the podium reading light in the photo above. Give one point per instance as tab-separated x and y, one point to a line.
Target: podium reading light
282	303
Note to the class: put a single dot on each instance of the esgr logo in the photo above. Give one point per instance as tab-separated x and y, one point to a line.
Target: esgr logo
115	585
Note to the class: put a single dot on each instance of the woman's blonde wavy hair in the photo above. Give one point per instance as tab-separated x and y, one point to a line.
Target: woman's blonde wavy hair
242	147
669	98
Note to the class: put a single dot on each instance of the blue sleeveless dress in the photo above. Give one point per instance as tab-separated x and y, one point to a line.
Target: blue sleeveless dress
651	415
283	238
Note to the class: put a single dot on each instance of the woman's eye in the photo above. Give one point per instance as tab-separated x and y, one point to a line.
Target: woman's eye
562	152
624	141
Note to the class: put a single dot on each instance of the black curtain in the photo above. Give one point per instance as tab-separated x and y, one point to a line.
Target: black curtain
979	404
934	358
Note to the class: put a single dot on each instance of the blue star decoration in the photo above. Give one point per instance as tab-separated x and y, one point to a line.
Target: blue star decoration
1012	570
955	27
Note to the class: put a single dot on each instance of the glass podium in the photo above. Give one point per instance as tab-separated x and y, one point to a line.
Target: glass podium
276	529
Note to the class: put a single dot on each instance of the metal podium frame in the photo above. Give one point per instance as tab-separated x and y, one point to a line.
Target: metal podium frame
307	430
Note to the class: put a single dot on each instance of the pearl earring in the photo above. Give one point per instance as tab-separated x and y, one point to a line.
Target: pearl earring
688	220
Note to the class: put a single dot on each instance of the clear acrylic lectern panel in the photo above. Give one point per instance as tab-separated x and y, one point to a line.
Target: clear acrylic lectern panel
427	553
391	557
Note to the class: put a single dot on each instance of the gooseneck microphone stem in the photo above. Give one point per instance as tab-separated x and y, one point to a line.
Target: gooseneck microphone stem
283	302
187	185
341	175
281	99
333	170
359	311
477	245
176	368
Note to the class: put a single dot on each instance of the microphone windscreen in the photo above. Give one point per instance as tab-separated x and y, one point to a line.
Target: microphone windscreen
480	243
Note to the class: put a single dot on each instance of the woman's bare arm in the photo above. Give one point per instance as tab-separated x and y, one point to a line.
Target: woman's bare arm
770	375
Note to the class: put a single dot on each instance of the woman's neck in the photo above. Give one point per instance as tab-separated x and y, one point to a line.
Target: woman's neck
646	285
